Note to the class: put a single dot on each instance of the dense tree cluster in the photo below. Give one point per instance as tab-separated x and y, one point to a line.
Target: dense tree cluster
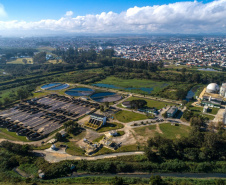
199	146
8	53
40	58
72	127
138	104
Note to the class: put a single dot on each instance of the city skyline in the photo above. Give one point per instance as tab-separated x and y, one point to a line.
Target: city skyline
100	17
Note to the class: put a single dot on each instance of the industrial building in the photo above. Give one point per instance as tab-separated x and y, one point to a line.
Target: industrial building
212	88
223	90
211	102
171	112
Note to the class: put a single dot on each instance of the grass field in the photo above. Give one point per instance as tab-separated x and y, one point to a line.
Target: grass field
128	116
55	61
46	49
142	130
4	134
213	111
20	61
135	83
126	148
110	126
166	130
172	132
151	103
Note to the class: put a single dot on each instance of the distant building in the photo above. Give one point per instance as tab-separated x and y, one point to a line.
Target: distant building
171	112
63	133
211	102
224	117
223	90
205	109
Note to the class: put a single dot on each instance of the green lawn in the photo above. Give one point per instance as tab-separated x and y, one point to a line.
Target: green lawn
128	116
110	126
12	135
74	149
172	132
135	83
196	109
213	111
152	103
142	130
199	110
126	148
99	138
120	133
168	131
20	61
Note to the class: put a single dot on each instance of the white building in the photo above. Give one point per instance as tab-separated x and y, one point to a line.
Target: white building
223	90
212	88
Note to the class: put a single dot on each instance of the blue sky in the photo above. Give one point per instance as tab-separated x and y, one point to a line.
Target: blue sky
34	10
108	16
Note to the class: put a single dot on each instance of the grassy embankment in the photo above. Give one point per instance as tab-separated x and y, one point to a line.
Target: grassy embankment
20	61
150	103
123	84
128	116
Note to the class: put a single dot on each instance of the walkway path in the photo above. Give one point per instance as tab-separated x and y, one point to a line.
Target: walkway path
57	156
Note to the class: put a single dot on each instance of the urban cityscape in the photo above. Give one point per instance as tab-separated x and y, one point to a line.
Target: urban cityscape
113	93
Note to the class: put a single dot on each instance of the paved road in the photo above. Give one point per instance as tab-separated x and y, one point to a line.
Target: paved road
57	156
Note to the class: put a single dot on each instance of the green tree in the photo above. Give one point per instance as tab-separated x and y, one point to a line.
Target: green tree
150	154
24	61
58	136
72	127
22	93
40	58
7	101
118	181
156	180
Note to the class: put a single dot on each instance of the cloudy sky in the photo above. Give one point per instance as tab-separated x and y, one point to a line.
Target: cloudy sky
105	16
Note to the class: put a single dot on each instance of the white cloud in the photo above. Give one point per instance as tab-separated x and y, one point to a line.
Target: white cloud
2	11
69	13
180	17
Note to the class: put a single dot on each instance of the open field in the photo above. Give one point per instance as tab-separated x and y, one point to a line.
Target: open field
166	130
20	61
152	103
55	61
172	132
140	86
46	49
128	116
126	148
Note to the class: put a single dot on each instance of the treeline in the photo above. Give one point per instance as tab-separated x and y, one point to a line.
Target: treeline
156	73
198	146
18	94
14	155
7	53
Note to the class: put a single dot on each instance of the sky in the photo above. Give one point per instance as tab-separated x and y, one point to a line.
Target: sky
32	17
